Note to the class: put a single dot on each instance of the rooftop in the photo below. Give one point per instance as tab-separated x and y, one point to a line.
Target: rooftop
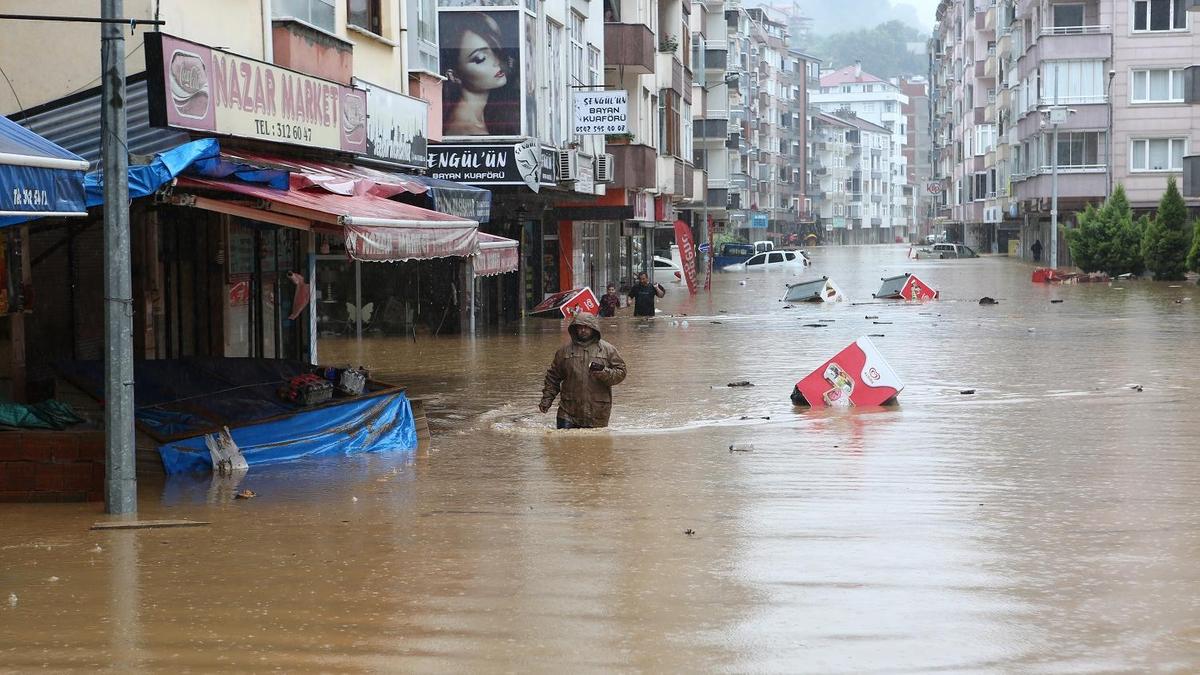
848	75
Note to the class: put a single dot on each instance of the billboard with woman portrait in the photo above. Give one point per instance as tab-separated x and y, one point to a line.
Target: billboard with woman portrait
481	60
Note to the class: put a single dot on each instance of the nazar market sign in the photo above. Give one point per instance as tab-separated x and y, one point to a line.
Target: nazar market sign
195	87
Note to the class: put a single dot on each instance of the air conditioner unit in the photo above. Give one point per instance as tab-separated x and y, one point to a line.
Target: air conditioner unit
567	166
604	168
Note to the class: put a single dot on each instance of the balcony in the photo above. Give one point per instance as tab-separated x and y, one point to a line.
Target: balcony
716	198
709	130
1075	42
634	166
1079	183
629	45
715	59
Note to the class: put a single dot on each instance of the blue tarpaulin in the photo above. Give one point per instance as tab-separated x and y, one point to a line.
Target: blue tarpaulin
37	178
179	401
379	423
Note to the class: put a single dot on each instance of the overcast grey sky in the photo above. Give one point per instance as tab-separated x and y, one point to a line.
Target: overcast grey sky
833	16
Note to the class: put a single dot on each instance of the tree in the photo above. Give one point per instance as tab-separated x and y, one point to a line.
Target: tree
883	50
1108	239
1193	260
1165	242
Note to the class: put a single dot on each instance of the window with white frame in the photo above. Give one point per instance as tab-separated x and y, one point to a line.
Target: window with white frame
1157	86
1077	149
575	35
1159	15
1068	82
985	139
320	13
1157	154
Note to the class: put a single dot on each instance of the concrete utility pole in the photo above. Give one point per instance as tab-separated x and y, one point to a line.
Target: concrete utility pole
120	484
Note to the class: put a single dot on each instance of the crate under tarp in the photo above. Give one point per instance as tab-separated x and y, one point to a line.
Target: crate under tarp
179	401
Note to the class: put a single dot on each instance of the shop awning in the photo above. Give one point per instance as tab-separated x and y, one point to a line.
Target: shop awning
37	177
497	255
376	229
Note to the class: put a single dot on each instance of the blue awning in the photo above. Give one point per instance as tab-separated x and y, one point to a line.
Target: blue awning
37	178
201	157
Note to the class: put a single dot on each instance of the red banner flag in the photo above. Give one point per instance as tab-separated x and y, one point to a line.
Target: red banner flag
687	253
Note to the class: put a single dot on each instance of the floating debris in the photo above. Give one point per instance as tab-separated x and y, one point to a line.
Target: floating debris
876	335
967	392
740	383
1135	387
1055	302
816	325
246	494
882	323
985	300
689	532
742	447
869	317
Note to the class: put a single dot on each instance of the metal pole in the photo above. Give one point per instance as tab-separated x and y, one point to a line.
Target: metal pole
120	485
1054	200
1108	132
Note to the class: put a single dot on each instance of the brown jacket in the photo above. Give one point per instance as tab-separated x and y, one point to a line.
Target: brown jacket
585	397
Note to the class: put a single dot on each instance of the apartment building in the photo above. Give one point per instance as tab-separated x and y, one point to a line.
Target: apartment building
850	186
919	200
879	103
649	56
1107	75
768	127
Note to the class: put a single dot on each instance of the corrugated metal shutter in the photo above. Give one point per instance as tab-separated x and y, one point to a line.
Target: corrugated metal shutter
75	125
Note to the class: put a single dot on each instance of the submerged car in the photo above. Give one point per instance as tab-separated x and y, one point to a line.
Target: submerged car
771	260
945	251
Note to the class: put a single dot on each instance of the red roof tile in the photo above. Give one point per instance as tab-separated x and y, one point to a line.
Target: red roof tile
846	76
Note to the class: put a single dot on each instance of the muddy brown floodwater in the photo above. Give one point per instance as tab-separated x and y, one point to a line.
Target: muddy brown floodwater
1048	523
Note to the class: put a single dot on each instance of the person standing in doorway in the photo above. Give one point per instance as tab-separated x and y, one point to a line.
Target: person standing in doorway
582	376
609	302
1036	250
643	295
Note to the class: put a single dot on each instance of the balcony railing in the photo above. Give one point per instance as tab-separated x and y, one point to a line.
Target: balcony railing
1047	169
1076	30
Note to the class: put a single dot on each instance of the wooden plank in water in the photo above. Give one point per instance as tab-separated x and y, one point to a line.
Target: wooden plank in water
147	524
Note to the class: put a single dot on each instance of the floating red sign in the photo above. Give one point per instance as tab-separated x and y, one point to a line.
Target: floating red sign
857	376
567	303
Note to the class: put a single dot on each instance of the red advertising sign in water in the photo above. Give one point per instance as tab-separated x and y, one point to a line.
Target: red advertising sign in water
687	253
916	290
567	303
857	376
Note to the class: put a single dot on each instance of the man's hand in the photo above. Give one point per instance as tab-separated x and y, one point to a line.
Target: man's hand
543	408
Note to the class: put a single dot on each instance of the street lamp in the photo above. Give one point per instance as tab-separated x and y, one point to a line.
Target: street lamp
1057	114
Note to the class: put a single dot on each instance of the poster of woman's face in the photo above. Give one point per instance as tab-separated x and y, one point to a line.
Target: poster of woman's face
481	61
531	60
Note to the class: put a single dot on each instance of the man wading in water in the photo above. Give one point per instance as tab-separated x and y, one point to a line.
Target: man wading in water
582	375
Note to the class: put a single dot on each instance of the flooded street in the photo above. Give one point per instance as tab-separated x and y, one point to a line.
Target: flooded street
1050	522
